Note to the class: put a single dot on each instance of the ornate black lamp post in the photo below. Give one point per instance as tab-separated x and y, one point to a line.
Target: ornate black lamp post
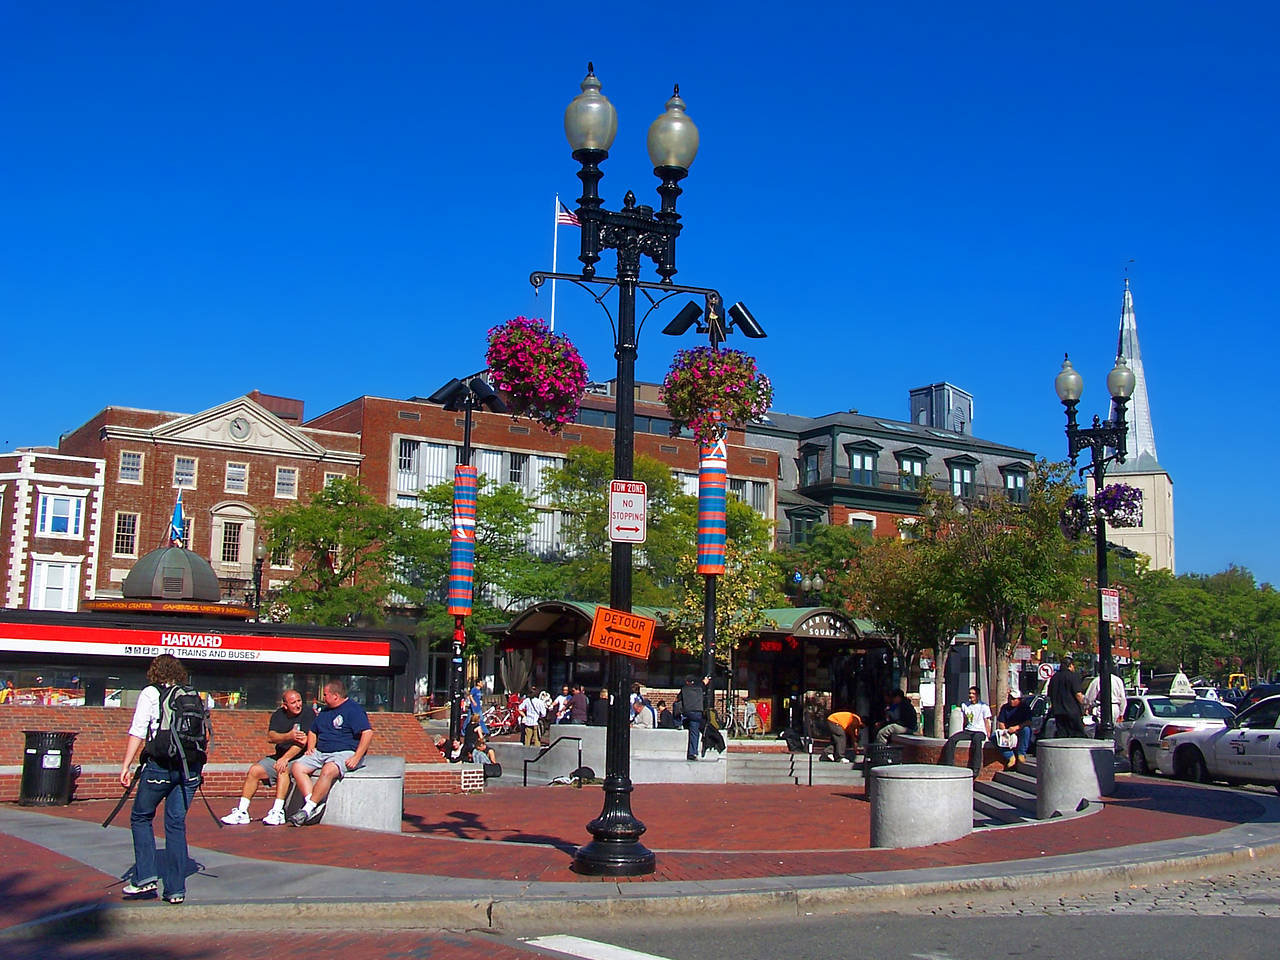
454	396
259	558
635	231
1097	439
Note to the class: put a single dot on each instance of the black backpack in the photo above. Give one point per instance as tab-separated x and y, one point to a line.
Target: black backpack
181	742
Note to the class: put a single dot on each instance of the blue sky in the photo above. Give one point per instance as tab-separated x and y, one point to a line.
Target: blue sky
324	200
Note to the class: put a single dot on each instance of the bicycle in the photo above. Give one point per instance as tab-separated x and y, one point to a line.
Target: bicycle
501	718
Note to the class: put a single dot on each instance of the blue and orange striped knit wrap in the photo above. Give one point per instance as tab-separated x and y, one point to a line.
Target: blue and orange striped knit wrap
462	551
713	465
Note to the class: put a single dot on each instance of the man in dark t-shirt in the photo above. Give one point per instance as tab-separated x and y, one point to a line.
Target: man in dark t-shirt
338	741
287	730
578	706
1066	700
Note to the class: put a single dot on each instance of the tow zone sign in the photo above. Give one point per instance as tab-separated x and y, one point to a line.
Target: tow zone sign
212	644
628	511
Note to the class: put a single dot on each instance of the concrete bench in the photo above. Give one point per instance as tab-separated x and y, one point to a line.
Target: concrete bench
917	804
371	798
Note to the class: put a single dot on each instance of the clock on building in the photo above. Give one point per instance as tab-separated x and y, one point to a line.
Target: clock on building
238	428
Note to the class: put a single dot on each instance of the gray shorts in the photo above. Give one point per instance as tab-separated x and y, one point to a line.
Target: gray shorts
269	764
316	761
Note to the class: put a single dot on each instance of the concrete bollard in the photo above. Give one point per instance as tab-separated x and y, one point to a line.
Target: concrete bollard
1070	771
916	804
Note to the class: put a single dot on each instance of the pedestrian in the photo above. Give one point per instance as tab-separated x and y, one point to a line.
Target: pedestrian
598	716
843	725
578	706
976	714
532	710
1066	701
666	720
690	702
900	717
475	705
562	705
158	781
1118	698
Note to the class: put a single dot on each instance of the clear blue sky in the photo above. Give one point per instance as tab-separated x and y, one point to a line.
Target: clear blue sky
324	200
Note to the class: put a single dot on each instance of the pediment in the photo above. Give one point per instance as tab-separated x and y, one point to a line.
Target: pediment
239	424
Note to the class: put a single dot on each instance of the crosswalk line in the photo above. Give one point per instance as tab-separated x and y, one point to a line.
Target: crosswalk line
589	949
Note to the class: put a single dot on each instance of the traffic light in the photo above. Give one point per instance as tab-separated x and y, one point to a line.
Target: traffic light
1044	634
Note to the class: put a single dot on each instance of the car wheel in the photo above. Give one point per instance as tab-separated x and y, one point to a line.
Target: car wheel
1193	767
1138	761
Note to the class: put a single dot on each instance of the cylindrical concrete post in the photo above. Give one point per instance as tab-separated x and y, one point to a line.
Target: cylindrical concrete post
1070	771
916	804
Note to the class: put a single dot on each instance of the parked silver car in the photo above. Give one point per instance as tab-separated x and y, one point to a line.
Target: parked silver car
1149	719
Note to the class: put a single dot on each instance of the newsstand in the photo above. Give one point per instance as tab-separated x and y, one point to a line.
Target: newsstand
46	769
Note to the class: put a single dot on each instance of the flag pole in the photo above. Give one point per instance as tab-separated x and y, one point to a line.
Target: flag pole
555	238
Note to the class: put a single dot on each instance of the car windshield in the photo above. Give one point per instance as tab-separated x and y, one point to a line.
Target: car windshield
1199	709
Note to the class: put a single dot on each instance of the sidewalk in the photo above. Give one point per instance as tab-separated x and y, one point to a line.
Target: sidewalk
500	860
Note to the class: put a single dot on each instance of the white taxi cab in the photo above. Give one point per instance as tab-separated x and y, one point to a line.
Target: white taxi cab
1246	750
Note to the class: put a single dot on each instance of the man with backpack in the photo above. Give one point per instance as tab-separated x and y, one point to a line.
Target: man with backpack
532	710
287	731
170	733
336	745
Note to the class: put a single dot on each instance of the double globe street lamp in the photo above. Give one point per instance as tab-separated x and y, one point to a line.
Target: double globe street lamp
1097	439
634	232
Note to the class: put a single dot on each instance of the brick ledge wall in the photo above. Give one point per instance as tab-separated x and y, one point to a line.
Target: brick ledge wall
239	739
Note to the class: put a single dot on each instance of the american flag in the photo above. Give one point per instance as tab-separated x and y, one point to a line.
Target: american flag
567	217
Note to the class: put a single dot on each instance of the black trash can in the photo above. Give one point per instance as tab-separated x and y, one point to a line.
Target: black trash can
880	755
46	769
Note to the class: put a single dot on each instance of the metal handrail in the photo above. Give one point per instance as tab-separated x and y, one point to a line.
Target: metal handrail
544	751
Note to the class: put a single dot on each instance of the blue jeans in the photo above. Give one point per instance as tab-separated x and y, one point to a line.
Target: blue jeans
693	723
156	784
1024	744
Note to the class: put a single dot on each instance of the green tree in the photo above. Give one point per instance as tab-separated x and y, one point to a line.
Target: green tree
831	549
581	489
748	586
1009	560
346	549
507	575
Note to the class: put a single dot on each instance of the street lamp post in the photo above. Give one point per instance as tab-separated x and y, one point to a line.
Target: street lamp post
1096	439
454	396
635	231
259	558
809	586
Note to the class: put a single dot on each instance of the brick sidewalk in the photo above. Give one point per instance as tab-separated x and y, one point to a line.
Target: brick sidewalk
699	833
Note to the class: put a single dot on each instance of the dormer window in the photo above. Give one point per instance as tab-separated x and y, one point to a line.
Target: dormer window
862	463
1015	481
961	471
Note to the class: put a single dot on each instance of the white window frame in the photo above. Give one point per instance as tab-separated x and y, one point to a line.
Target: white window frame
142	461
244	484
77	502
863	517
961	480
40	583
287	470
195	473
115	533
330	476
227	527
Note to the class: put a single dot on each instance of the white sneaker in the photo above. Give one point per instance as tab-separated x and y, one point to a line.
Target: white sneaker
845	760
237	816
274	819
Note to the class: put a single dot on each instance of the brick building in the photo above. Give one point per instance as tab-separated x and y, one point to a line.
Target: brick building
51	516
229	463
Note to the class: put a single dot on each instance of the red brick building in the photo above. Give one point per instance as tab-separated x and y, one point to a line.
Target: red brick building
51	517
229	463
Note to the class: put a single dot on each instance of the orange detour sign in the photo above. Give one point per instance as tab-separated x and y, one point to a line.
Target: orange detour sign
626	633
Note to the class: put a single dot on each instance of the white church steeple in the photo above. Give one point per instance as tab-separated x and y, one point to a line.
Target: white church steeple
1141	438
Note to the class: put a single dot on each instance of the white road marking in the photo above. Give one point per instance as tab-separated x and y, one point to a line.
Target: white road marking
589	949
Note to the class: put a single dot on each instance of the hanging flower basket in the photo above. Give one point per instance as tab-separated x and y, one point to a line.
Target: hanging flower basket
1077	516
542	373
1121	504
702	380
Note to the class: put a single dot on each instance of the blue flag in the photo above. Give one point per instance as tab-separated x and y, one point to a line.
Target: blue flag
175	525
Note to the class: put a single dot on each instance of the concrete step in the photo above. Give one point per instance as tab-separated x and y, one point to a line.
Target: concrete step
994	811
1011	795
1018	779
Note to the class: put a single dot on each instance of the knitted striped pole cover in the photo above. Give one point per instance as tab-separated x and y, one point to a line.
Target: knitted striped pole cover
713	465
462	552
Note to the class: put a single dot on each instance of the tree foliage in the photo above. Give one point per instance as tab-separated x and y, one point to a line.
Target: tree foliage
346	548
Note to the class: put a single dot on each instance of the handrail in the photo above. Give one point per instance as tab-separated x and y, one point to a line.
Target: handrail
544	751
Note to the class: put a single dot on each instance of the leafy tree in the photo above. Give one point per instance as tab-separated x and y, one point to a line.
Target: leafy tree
346	547
581	489
1008	560
507	575
748	586
830	550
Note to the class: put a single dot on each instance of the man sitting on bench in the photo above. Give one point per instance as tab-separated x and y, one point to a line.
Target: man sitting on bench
287	730
337	743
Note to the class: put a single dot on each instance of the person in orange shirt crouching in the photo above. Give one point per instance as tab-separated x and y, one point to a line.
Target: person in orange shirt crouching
843	725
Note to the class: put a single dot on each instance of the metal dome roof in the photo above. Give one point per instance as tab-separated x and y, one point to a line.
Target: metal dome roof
171	573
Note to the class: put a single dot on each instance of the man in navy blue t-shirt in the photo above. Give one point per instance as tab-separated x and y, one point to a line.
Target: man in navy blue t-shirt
339	738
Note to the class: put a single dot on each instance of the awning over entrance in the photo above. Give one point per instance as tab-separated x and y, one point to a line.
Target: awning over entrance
562	620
